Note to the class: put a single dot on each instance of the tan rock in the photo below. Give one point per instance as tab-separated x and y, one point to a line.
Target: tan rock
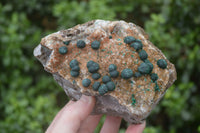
112	51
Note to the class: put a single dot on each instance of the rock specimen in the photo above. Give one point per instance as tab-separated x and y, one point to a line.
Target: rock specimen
111	60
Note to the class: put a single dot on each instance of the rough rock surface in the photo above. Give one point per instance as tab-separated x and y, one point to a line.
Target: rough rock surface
135	95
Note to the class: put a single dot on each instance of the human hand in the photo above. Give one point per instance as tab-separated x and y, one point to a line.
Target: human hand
75	118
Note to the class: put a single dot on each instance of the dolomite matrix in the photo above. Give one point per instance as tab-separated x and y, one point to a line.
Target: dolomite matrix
111	60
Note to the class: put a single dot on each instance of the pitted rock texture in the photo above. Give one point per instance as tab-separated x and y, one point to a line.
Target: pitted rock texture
135	95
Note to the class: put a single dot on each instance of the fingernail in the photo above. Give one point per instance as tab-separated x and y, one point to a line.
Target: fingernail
86	99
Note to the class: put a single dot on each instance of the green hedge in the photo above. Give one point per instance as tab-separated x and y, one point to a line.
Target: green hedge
29	96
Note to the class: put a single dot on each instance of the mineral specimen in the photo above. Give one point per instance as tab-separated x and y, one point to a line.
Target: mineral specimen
80	44
110	85
137	45
96	85
162	63
95	44
106	79
86	82
96	75
135	74
126	73
103	89
63	50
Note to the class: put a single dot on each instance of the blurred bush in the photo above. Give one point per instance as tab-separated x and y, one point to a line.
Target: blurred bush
29	96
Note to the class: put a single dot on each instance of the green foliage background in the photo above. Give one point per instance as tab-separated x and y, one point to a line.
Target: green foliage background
30	98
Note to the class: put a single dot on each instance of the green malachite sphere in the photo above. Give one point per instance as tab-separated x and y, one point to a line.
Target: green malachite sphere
63	50
96	76
106	79
114	74
110	37
162	63
110	85
129	39
86	82
103	89
96	86
113	70
149	63
112	67
92	66
144	68
76	68
154	77
89	63
74	73
95	44
73	63
127	73
143	55
80	44
151	66
136	45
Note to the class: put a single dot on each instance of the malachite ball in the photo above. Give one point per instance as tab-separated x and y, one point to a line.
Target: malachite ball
106	79
129	39
92	66
110	37
74	73
137	74
76	68
89	63
143	55
96	76
95	44
63	50
137	45
96	86
103	89
112	67
114	74
150	65
80	44
66	42
86	82
110	85
73	63
144	68
162	63
154	77
126	73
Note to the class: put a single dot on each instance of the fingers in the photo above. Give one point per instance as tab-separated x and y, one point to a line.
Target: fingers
58	116
90	124
60	112
111	124
72	116
136	128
